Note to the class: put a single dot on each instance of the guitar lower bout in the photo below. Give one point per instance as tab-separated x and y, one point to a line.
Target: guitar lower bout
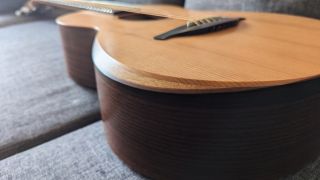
78	41
237	104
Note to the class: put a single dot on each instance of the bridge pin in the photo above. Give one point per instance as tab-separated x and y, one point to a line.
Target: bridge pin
198	23
210	20
205	21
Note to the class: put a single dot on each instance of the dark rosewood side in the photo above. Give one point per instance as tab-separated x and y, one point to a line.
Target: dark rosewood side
262	134
77	44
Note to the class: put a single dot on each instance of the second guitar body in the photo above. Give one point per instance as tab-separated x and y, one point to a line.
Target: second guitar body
237	104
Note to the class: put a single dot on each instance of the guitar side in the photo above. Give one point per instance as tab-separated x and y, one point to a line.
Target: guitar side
173	127
77	45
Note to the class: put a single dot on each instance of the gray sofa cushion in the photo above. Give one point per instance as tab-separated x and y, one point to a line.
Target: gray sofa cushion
84	154
38	101
308	8
10	19
10	5
179	2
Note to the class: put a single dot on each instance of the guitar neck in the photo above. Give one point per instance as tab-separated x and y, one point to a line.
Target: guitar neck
109	7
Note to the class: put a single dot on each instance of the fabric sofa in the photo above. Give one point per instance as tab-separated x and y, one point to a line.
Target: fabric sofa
50	126
309	8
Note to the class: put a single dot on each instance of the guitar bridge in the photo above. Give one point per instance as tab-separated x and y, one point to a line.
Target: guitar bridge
203	26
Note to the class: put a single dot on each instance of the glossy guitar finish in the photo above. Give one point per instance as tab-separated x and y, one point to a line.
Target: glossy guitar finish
238	104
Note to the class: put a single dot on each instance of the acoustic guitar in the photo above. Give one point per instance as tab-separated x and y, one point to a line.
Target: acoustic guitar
199	95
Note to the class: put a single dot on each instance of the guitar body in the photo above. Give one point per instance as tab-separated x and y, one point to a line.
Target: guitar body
242	103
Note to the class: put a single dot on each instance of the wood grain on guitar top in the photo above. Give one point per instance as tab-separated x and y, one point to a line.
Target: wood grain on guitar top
265	50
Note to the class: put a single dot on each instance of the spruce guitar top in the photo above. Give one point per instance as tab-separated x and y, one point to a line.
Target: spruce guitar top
227	95
264	50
